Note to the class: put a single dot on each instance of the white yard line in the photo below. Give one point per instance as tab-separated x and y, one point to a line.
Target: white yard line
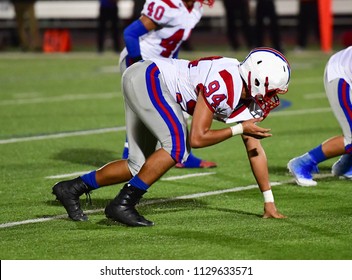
318	95
71	97
147	202
121	128
311	80
105	130
62	135
67	175
171	178
300	112
156	201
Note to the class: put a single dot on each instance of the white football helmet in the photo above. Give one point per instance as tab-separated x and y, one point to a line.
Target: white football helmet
266	73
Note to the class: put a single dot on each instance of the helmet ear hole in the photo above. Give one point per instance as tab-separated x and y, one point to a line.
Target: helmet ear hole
256	82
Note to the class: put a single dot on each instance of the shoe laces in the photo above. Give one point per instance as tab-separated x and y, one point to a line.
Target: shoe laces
87	192
88	199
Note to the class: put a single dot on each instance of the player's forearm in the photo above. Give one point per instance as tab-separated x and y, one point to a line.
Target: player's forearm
260	170
209	138
258	161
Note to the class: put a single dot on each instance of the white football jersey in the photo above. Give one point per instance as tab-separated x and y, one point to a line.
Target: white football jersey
340	65
176	23
218	77
175	26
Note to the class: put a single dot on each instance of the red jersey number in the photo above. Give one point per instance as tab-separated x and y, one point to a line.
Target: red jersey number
156	13
213	87
170	44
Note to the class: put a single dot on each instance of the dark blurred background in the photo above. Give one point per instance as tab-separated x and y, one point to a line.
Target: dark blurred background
80	19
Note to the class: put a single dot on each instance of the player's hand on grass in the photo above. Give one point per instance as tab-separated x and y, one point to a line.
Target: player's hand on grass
250	128
270	211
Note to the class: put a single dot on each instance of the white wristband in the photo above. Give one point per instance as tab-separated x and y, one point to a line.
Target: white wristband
268	196
237	129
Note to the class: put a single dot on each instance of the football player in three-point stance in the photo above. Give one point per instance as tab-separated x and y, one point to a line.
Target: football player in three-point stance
157	92
159	33
338	87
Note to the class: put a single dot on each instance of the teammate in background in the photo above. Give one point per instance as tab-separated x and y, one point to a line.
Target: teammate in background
266	10
157	92
27	25
108	14
238	9
338	87
137	9
308	22
159	33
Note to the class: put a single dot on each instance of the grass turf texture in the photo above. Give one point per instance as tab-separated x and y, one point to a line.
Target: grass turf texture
43	95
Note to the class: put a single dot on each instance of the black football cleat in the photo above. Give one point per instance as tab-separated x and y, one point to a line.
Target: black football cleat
122	208
68	193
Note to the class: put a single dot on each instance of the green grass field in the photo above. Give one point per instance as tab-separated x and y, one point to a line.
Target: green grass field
63	114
